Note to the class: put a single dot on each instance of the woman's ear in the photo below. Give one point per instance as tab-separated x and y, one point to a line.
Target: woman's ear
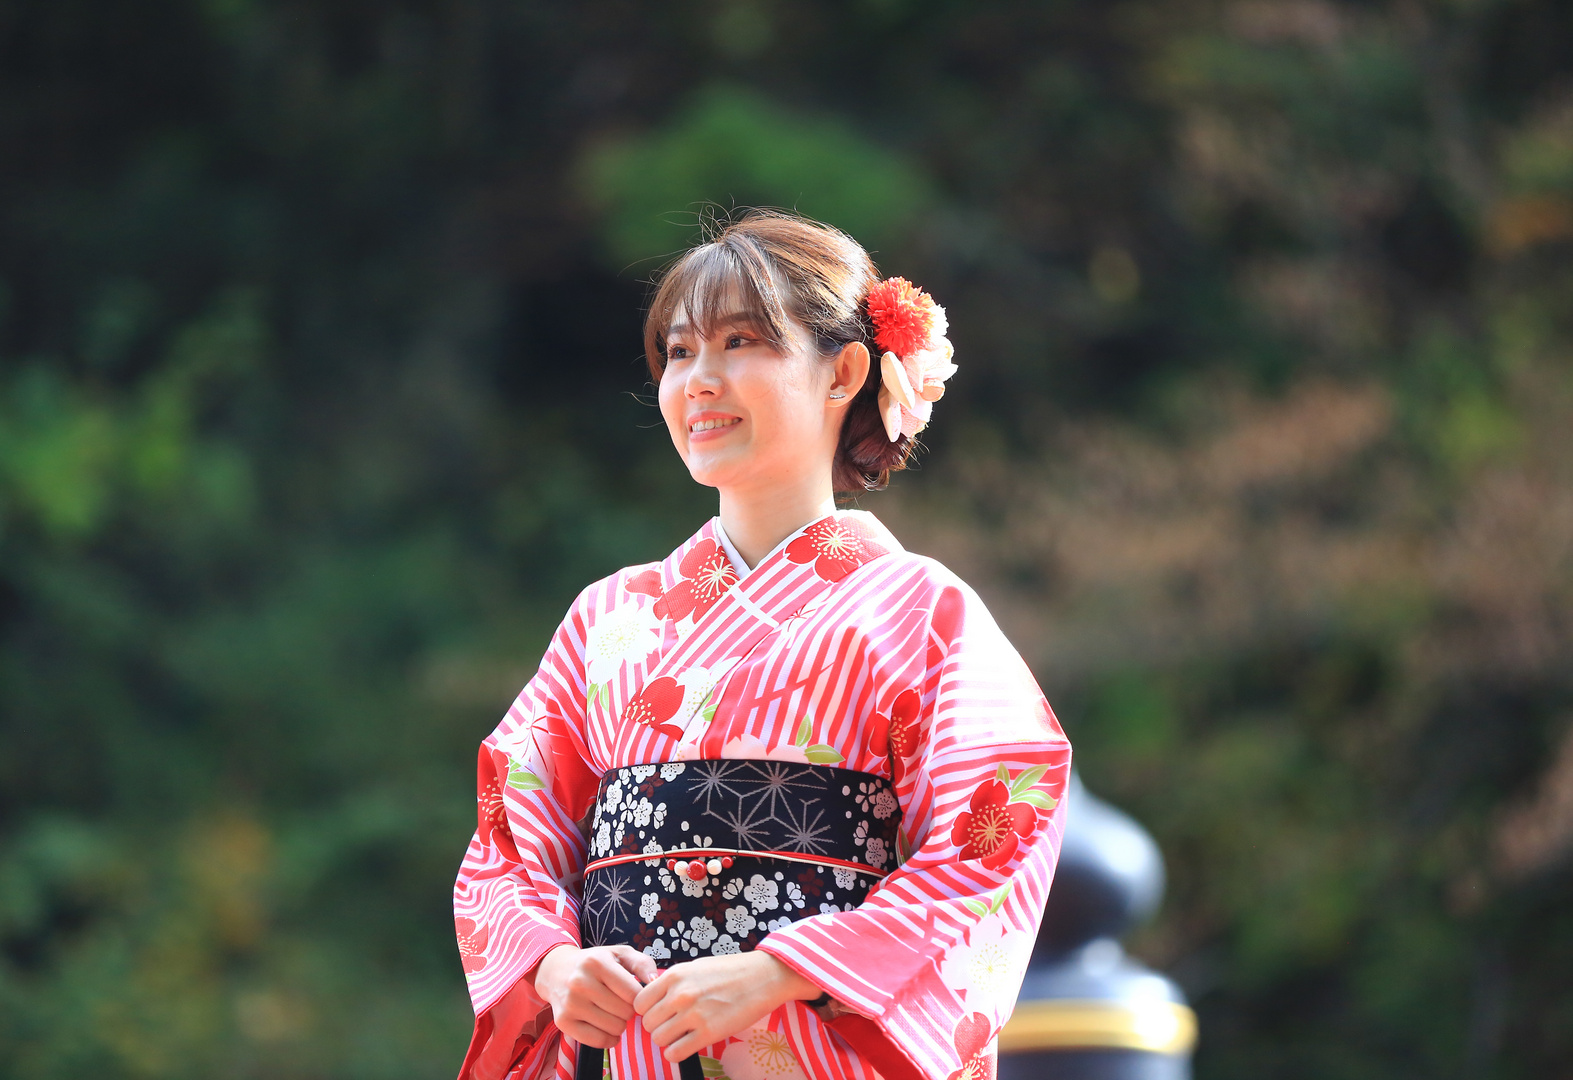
851	369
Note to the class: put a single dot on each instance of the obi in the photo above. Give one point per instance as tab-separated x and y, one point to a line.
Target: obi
706	858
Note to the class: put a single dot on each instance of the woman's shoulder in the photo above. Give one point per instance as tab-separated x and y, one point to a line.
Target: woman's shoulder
620	587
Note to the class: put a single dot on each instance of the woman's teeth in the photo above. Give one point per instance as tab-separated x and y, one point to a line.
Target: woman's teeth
706	425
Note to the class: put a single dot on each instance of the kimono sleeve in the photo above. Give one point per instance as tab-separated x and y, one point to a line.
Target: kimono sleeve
517	894
926	971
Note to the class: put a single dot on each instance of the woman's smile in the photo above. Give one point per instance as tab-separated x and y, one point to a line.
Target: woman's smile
706	426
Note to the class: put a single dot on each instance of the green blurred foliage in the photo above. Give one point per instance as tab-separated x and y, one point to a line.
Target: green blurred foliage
321	394
733	147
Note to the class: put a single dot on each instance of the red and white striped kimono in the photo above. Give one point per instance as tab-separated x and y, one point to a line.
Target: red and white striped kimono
838	648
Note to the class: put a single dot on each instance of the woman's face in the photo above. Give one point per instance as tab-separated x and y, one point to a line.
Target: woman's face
745	416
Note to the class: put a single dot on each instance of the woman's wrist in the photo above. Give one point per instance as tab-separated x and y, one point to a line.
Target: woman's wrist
791	986
541	977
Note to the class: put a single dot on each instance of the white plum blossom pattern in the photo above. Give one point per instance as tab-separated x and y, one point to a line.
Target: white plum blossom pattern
749	747
629	632
876	852
701	931
762	893
739	920
649	904
845	878
990	964
761	1054
725	946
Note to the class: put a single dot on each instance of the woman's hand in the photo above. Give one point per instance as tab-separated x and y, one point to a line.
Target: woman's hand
591	991
691	1005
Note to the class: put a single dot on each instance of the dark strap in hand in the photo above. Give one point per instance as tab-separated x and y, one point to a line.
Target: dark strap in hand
591	1065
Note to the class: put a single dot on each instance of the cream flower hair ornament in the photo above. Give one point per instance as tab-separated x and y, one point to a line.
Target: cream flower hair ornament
909	328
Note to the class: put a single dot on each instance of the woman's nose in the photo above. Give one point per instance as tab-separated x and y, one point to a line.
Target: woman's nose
704	376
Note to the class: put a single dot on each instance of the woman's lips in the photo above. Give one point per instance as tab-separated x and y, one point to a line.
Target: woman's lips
711	428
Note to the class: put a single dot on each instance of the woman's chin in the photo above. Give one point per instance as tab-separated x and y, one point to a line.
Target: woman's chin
717	471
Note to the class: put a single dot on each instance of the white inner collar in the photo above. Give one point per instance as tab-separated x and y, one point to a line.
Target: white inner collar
742	568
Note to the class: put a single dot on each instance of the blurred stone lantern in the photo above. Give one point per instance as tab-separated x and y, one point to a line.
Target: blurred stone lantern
1087	1011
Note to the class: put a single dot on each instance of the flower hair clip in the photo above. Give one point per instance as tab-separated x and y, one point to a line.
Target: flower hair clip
909	328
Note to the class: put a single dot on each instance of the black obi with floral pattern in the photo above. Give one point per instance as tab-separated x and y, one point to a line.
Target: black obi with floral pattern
704	858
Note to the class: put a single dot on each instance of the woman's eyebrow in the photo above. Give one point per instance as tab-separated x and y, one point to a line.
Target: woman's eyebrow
737	321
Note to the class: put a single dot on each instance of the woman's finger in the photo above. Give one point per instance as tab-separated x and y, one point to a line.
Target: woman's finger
585	1012
605	1010
651	995
588	1034
590	985
690	1044
615	974
637	963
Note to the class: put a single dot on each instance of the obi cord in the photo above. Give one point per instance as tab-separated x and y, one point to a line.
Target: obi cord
705	858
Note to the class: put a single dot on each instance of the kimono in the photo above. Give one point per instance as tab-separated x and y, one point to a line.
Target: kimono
838	648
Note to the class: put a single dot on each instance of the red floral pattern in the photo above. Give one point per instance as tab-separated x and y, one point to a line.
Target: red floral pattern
655	704
836	546
491	811
896	735
972	1047
648	583
472	944
994	827
707	575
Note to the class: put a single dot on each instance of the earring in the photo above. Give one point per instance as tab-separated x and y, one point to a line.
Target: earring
835	397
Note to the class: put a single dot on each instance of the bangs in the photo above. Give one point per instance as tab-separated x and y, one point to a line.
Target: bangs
729	278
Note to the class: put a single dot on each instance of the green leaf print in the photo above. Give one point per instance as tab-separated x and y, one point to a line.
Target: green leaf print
999	898
823	754
1026	780
976	906
805	731
712	1068
1041	799
522	778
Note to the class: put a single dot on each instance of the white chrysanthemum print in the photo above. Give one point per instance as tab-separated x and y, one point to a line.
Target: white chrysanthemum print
761	1054
990	963
627	632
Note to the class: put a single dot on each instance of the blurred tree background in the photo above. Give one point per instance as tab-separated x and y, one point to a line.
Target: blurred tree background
320	396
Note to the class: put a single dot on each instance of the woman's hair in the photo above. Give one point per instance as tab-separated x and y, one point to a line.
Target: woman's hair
769	266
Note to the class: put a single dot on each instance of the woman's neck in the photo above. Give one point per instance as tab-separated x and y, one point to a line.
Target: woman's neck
757	523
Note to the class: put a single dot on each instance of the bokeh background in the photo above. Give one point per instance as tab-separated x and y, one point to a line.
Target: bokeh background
321	395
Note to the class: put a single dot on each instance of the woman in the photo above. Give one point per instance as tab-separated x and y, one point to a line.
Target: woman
783	804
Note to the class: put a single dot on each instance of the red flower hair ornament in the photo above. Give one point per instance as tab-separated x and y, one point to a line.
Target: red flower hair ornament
909	328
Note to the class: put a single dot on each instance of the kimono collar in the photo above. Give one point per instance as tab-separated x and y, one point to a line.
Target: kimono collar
736	557
720	616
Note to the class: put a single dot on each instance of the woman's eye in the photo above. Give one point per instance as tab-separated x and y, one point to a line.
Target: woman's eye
736	341
676	352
